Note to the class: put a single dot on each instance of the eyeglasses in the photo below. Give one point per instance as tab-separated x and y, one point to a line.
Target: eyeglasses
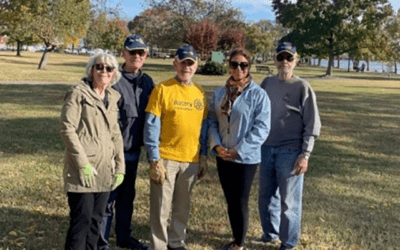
100	67
289	58
137	52
242	65
187	63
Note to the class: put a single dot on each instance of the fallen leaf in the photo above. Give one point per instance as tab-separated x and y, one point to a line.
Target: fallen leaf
13	233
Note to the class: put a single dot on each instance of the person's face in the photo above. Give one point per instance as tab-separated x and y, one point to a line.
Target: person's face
102	73
185	69
134	59
239	67
285	62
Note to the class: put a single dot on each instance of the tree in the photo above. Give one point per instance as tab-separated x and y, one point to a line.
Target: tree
329	27
160	27
167	21
231	38
106	33
16	22
203	36
392	33
262	37
56	20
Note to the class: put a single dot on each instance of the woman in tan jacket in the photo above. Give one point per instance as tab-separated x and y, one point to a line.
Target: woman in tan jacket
94	161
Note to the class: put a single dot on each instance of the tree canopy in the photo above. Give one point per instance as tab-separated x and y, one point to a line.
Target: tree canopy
330	27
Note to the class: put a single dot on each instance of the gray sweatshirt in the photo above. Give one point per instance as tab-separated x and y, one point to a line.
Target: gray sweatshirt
295	121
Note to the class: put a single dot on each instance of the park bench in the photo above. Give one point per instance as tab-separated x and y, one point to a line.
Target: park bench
260	68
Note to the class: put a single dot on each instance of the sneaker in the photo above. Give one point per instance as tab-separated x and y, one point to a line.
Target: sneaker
229	246
176	248
262	241
133	244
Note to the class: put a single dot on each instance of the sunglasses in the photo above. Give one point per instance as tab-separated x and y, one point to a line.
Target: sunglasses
100	67
137	52
242	65
280	58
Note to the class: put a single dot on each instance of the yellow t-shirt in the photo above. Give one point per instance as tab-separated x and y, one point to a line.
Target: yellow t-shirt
181	109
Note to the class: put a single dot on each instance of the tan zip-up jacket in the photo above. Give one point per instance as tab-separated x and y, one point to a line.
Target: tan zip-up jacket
92	135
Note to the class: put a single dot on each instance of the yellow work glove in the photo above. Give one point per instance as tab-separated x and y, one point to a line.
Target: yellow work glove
117	179
203	167
157	171
87	174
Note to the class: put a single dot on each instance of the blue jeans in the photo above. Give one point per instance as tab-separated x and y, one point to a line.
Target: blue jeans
123	197
280	195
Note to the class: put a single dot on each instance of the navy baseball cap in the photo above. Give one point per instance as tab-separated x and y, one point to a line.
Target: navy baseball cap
186	52
288	47
135	42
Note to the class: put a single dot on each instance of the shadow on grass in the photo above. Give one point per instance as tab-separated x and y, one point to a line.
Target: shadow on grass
361	128
75	64
28	94
30	135
350	186
18	61
22	229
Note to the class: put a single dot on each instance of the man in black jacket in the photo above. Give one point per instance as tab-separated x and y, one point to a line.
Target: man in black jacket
135	87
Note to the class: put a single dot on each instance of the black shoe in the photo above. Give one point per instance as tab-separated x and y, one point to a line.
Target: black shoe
230	246
134	244
176	248
262	240
283	247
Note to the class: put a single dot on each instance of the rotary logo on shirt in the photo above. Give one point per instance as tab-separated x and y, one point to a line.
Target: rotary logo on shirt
185	105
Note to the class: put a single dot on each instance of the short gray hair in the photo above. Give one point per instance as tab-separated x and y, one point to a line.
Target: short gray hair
105	58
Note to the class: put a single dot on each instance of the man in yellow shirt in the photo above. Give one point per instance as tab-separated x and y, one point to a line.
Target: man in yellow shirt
175	137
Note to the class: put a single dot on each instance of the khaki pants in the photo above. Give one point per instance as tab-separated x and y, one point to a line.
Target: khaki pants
173	195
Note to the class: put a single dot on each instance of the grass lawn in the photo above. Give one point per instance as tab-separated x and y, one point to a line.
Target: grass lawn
351	193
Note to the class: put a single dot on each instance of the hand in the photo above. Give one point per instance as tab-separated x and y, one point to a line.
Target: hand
221	151
203	167
87	174
157	172
301	165
230	154
117	179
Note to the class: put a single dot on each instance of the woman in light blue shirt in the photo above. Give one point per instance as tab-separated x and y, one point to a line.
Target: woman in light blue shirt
239	121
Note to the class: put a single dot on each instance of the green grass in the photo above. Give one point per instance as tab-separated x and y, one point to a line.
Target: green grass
351	194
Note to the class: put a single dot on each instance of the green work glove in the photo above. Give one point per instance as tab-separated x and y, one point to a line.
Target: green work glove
87	174
203	167
117	179
157	171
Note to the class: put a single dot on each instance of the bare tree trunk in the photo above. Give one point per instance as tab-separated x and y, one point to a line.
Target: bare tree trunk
368	65
395	67
330	65
338	62
44	60
348	64
319	62
18	48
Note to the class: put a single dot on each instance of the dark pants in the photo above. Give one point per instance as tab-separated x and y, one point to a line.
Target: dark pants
123	197
86	213
236	180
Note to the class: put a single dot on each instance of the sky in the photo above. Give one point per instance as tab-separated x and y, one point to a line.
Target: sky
253	10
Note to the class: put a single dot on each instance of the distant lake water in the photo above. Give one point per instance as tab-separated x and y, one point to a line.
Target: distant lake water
374	66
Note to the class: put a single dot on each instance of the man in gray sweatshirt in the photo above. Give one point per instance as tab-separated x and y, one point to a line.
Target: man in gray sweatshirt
295	124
